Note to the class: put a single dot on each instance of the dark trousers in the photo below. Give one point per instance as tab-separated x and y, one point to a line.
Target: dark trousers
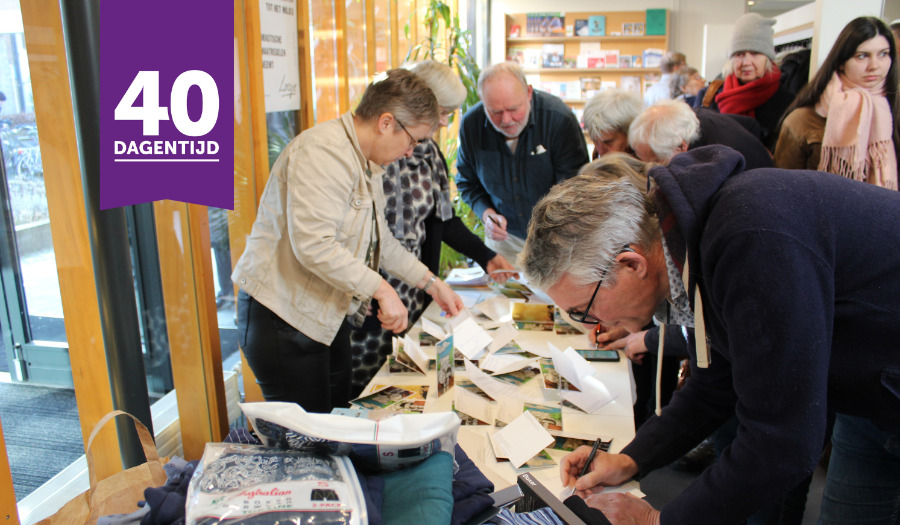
289	366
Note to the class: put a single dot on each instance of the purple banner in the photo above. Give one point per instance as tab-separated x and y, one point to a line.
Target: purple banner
166	102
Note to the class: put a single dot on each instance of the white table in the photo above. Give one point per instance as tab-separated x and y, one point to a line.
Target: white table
614	420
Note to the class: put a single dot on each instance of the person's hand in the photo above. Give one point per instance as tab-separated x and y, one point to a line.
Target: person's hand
446	298
633	345
494	225
624	509
391	311
500	270
606	470
604	336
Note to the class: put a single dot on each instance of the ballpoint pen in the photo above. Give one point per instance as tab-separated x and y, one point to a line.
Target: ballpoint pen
587	464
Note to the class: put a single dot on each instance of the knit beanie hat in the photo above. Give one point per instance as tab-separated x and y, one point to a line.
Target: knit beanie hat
752	32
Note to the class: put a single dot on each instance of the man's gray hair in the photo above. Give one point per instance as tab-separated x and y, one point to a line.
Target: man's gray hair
508	68
580	226
663	126
671	61
611	110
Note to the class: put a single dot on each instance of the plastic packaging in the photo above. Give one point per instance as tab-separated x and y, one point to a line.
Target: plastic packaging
390	444
253	484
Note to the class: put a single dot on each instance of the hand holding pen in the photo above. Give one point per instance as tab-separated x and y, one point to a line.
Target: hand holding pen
597	469
587	465
494	225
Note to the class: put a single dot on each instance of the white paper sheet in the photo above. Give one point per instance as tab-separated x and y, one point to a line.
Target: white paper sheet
432	328
593	396
568	368
502	335
470	339
414	351
497	307
474	405
504	364
499	390
521	439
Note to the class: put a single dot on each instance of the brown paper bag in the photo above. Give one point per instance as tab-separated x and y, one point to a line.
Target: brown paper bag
119	493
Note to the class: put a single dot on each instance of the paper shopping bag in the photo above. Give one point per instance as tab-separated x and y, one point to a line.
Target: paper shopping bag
119	493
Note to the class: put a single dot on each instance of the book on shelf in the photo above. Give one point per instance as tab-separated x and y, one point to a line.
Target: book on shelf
582	28
638	29
628	29
611	57
516	54
630	83
596	62
625	61
597	25
655	22
531	58
590	86
553	55
545	24
637	61
653	57
515	31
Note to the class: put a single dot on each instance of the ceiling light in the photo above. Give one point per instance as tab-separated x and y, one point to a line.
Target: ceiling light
751	2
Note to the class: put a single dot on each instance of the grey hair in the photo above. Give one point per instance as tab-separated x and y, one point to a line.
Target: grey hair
672	60
611	110
663	126
448	89
580	226
685	75
509	68
618	165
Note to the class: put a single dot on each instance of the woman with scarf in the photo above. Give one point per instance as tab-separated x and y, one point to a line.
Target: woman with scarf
845	121
752	84
419	213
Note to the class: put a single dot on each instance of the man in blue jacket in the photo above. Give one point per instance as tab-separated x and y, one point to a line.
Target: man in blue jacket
791	283
513	146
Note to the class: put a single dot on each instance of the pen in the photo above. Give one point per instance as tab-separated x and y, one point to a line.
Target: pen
494	220
587	465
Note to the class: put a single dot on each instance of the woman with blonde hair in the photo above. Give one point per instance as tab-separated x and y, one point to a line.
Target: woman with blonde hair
752	84
845	121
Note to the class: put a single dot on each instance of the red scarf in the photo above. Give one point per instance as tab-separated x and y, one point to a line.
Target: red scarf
739	99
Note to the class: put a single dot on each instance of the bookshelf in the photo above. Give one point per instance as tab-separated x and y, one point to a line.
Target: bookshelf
527	44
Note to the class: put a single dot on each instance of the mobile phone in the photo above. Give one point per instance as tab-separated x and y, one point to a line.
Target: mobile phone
600	355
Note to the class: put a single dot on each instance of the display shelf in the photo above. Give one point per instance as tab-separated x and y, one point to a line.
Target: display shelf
590	70
512	41
529	48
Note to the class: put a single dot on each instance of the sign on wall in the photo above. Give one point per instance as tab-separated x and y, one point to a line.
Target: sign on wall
280	58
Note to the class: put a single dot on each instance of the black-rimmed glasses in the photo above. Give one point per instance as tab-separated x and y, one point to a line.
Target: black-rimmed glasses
412	142
585	317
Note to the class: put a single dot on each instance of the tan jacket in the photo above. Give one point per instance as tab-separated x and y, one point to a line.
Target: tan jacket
305	258
799	144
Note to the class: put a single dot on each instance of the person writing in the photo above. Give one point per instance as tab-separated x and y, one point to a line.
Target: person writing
794	306
310	268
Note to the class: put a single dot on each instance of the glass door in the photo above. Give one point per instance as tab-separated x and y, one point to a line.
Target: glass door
34	335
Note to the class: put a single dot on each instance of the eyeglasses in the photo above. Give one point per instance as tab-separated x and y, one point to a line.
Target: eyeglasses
412	142
585	317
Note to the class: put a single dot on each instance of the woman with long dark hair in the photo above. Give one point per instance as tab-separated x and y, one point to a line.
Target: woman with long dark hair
845	121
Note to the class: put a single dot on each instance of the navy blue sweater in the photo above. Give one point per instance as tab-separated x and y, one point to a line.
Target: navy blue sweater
801	293
551	149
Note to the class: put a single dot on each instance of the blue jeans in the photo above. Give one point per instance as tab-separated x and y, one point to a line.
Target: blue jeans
863	482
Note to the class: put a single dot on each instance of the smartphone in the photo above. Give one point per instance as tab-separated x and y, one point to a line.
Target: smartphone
600	355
